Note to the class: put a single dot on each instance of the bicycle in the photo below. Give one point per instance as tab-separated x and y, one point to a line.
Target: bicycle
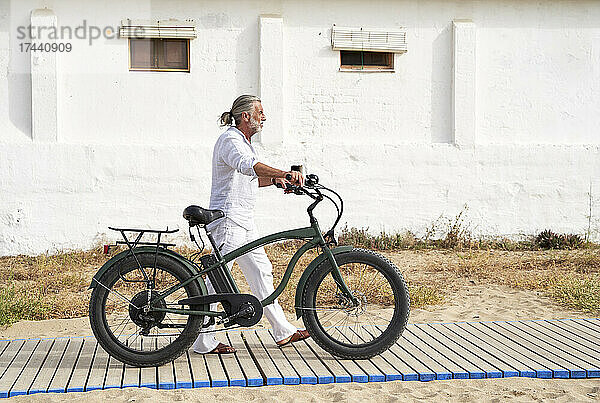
149	303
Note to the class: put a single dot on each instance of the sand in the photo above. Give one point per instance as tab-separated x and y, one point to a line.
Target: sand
472	303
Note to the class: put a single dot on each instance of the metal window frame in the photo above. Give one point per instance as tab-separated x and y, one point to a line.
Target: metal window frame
188	70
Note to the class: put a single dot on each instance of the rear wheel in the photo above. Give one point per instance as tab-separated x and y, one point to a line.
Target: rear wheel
121	324
363	329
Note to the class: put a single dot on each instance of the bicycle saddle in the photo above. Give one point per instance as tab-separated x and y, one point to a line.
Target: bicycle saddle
197	215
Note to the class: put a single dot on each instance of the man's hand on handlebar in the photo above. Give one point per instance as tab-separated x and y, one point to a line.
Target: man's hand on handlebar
290	183
284	184
295	178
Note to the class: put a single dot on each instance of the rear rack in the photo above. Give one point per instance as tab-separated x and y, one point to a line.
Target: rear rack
137	242
141	233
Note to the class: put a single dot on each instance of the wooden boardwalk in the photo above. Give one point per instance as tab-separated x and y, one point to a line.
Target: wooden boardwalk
468	350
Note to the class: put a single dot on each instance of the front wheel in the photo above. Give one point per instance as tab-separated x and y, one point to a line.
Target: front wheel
371	325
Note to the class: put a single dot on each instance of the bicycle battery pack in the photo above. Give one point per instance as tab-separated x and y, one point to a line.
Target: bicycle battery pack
217	277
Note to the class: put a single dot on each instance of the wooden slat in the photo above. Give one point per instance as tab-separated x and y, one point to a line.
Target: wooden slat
66	366
114	374
440	372
131	375
513	349
234	372
27	376
199	372
390	373
17	365
83	365
460	367
576	327
166	375
321	371
408	354
585	350
49	367
404	358
306	374
6	359
251	372
532	351
553	345
373	373
148	375
550	352
3	345
584	327
98	370
269	370
573	335
473	351
290	377
217	375
408	374
492	353
594	324
339	372
183	377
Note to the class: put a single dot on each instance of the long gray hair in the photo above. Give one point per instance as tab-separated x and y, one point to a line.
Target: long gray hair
243	103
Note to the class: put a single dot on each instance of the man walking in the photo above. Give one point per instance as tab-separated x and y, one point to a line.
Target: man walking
236	176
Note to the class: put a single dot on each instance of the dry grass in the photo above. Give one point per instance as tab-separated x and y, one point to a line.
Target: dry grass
568	276
55	286
47	286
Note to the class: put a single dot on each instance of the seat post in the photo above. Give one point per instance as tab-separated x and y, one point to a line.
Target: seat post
214	244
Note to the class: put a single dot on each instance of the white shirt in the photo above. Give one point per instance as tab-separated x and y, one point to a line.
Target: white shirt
234	182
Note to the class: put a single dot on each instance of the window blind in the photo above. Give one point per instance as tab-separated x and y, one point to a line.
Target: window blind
141	29
368	40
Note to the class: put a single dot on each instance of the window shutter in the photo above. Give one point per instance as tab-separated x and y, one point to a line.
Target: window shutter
368	40
140	29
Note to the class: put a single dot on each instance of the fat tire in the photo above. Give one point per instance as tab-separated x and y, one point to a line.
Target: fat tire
99	325
399	318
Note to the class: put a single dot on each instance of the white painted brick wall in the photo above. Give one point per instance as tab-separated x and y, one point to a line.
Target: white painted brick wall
134	148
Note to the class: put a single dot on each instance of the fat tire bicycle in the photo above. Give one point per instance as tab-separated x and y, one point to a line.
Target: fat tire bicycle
149	303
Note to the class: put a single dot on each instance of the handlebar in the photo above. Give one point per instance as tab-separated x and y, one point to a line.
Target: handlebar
313	189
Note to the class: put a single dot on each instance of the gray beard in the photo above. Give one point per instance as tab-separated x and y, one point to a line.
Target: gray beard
255	126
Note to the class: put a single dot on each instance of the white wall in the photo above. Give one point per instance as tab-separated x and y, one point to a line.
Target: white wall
133	148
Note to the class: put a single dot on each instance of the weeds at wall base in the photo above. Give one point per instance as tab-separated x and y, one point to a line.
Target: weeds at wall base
456	238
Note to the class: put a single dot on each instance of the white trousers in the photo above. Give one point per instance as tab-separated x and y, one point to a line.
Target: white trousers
259	274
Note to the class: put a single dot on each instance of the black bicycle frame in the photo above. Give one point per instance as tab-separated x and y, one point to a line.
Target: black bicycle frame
314	239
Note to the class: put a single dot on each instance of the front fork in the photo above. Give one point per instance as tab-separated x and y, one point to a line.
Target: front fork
335	270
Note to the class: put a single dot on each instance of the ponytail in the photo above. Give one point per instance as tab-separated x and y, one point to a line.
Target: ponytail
243	103
226	118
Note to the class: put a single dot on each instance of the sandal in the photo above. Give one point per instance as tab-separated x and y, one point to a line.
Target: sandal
223	349
299	335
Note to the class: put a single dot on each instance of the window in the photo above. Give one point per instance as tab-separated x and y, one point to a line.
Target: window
155	54
361	60
367	49
158	45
